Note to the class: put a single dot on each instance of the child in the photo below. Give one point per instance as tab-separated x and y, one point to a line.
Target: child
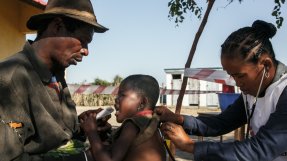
137	139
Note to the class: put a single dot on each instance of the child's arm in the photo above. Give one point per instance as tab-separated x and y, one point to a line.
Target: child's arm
119	149
121	146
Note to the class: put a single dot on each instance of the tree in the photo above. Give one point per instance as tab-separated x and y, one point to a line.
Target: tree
277	12
117	80
180	7
101	82
189	4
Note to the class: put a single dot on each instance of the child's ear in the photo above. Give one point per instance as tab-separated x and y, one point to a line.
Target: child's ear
145	101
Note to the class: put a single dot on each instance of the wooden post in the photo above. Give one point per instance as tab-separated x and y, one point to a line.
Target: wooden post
239	133
189	60
191	54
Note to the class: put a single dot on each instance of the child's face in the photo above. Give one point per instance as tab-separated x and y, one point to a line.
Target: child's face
126	104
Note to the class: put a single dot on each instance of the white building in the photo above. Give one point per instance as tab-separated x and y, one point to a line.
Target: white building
174	79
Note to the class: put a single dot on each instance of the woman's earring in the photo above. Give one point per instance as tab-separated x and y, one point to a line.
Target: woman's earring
266	74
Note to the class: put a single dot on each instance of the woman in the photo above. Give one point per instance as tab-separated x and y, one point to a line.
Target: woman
247	55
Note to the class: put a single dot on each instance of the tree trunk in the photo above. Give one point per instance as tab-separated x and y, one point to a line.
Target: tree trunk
191	54
189	60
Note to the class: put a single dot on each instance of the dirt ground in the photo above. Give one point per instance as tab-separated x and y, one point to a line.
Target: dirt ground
192	110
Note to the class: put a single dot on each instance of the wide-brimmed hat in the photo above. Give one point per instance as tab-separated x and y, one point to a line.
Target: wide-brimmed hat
81	10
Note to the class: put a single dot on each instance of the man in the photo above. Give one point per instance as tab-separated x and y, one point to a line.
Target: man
37	113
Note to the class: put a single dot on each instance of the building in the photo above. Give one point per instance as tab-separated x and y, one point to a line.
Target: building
13	17
205	92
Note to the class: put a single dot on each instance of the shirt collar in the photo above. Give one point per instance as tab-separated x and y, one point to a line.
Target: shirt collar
280	70
38	65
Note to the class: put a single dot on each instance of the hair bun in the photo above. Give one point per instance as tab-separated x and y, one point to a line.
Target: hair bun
264	29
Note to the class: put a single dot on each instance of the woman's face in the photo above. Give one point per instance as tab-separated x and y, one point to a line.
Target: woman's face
126	104
246	75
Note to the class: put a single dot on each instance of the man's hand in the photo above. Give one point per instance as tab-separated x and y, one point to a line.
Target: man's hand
167	115
178	136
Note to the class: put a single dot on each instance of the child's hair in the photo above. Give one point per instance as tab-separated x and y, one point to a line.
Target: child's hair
241	42
145	85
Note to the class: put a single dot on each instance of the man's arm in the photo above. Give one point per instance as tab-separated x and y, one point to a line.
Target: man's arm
14	122
11	146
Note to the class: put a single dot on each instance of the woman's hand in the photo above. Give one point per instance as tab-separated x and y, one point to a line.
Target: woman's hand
178	136
168	116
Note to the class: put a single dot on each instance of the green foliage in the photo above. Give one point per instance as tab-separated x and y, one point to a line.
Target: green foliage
180	7
101	82
277	12
177	9
71	148
117	80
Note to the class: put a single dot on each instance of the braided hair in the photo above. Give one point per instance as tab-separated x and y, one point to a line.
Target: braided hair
249	43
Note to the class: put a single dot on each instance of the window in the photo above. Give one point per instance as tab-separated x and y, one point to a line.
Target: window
176	76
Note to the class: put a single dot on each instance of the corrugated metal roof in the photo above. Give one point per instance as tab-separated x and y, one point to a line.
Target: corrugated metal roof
41	4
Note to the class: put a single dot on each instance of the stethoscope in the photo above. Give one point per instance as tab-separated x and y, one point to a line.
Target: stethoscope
249	112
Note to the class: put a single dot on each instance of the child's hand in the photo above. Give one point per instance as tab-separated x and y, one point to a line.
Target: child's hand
104	128
89	123
85	114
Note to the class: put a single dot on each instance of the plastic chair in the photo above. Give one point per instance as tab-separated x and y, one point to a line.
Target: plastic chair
226	99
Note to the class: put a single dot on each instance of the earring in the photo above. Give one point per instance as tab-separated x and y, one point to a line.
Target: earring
267	74
141	106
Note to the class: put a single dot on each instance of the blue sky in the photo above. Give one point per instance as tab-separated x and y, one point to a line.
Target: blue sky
142	40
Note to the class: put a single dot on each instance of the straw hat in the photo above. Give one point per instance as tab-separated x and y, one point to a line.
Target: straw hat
81	10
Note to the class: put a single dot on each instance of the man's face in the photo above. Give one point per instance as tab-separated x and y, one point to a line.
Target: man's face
72	45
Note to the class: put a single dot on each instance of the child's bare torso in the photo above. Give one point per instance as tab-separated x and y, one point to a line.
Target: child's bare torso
151	150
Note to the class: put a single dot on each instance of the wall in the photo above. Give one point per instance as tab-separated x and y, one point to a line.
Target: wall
200	100
175	84
13	17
